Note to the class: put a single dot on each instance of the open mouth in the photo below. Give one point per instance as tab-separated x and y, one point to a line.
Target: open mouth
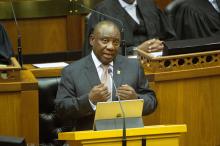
108	56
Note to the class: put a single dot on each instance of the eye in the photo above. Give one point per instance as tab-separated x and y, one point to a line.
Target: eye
116	43
104	40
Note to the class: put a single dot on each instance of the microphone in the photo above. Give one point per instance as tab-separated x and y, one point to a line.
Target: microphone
124	140
20	58
123	42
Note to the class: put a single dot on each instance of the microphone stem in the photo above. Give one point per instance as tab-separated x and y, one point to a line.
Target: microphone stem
124	139
123	44
20	59
123	48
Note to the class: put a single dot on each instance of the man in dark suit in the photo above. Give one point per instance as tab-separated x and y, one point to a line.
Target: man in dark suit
144	24
80	88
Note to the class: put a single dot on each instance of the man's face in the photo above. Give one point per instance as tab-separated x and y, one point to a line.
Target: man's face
129	1
105	43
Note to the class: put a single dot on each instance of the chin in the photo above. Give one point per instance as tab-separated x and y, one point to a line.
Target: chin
106	61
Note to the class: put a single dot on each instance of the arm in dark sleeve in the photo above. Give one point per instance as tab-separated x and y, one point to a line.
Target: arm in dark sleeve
167	31
143	91
68	105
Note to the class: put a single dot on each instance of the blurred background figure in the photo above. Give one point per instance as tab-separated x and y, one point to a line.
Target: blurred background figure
197	19
5	47
144	24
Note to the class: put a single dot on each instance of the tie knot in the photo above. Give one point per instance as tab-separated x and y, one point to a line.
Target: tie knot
105	67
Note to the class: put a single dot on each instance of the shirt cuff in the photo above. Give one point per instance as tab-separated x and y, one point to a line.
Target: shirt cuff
92	105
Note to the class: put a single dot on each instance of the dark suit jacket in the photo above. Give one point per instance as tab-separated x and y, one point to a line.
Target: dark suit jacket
156	23
81	76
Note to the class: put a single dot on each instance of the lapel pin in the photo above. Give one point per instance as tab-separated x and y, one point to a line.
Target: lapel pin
118	72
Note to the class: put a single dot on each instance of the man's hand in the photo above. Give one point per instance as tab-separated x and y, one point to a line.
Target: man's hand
152	45
126	92
99	93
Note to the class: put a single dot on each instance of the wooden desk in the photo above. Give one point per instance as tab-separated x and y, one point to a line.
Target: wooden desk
44	72
158	135
19	108
187	94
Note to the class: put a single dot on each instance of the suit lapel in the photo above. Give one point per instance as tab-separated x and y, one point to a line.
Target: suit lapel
91	72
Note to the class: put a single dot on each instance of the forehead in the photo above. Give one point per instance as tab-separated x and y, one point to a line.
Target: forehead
108	31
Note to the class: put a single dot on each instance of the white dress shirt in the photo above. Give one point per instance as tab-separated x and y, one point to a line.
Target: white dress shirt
130	9
100	71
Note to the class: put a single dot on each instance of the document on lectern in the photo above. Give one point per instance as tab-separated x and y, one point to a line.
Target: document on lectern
109	114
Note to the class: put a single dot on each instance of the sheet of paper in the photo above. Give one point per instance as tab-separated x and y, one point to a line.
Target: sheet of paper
3	65
156	54
50	65
133	56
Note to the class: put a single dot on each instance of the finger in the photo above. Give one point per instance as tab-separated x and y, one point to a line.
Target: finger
122	96
106	97
125	87
155	47
100	85
104	92
151	41
103	88
125	92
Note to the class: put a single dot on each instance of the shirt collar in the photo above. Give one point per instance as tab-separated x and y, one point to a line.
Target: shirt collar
96	60
124	4
215	5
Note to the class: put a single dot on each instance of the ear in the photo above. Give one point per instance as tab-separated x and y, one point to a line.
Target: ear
91	39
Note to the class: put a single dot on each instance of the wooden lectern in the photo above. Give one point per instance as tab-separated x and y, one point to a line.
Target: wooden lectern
159	135
188	91
10	73
19	115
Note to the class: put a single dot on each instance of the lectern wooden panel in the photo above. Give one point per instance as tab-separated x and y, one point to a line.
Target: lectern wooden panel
19	107
188	91
160	135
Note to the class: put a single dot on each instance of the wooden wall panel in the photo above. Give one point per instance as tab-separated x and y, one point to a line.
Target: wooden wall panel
19	111
193	101
48	35
39	35
75	31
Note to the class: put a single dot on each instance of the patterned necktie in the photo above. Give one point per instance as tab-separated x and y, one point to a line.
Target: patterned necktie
105	78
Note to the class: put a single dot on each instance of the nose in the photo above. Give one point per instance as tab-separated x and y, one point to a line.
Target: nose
110	45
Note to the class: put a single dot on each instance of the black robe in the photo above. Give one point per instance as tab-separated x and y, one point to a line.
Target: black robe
5	47
197	19
156	23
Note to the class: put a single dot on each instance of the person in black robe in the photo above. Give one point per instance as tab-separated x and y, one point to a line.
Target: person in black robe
153	27
197	19
5	47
